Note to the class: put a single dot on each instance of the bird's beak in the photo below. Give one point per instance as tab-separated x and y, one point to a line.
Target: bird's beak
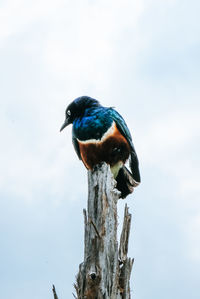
66	123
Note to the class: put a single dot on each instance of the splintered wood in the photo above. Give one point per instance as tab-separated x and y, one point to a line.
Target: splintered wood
106	269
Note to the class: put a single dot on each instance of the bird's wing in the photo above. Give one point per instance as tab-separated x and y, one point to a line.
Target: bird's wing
76	146
122	127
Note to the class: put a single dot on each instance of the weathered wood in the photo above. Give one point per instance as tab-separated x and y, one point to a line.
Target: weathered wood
105	271
54	292
126	263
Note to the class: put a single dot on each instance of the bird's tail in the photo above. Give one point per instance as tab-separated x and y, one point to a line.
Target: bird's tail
125	182
134	166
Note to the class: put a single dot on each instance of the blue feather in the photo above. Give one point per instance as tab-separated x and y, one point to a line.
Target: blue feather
93	124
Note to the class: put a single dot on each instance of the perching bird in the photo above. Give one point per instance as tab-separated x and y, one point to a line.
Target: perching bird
100	134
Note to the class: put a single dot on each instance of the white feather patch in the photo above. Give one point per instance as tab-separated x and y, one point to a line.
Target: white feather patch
103	138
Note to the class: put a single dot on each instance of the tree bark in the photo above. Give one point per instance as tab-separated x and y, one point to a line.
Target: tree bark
105	271
54	292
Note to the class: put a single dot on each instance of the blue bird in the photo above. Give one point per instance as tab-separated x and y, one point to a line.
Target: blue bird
100	134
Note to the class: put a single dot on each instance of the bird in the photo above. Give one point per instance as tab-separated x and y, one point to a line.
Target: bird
100	134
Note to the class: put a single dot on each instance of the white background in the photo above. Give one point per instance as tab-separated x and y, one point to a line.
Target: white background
141	56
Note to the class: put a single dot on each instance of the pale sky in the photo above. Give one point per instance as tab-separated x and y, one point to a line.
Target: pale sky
141	56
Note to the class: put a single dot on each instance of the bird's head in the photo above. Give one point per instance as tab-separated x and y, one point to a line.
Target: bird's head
77	109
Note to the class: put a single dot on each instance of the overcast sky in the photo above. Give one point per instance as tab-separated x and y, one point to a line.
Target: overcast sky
141	56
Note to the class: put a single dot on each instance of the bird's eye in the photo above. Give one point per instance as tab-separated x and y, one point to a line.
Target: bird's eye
68	112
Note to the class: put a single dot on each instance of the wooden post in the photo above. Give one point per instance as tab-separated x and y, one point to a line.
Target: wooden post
105	271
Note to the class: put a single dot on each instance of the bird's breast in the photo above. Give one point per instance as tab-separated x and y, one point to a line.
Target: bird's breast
102	138
111	148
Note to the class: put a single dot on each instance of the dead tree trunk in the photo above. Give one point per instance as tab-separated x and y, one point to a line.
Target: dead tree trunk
105	271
